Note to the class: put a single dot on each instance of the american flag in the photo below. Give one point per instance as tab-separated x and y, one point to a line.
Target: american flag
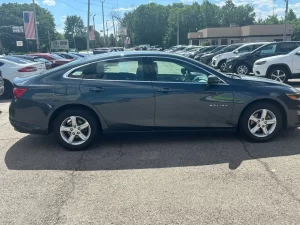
29	27
91	33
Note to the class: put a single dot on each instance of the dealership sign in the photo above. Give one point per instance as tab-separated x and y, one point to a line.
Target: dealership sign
60	44
19	43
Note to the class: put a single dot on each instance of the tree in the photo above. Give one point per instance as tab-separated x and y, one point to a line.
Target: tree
272	19
112	41
291	16
74	25
12	14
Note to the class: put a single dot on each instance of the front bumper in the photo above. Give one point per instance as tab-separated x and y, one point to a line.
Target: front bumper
260	71
214	63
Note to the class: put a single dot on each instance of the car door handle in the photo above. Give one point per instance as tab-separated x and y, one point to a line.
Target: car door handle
164	90
97	89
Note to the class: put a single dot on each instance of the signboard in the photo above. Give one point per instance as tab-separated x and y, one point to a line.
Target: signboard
16	29
19	43
122	31
60	44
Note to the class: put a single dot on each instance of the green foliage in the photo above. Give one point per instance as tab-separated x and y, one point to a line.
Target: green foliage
156	24
206	43
74	26
12	14
112	41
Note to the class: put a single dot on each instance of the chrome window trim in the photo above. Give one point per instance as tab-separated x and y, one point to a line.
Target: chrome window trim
65	75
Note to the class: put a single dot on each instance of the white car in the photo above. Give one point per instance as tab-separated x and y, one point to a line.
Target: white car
280	67
219	61
12	67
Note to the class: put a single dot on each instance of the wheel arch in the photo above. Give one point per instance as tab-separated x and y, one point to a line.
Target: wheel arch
279	65
102	123
280	106
219	64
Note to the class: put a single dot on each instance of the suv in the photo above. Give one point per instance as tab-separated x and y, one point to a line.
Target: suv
243	64
207	58
219	61
280	67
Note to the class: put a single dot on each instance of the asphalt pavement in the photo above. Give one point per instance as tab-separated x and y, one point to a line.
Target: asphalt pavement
178	178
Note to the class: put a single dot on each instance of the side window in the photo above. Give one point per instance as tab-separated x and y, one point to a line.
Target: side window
245	49
131	69
256	46
268	49
286	47
66	56
168	70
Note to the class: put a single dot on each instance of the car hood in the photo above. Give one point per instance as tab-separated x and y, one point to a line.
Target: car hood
275	57
208	55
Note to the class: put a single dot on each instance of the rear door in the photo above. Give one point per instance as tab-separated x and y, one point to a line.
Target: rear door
120	92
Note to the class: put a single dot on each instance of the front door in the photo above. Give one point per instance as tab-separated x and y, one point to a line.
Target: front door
120	93
183	98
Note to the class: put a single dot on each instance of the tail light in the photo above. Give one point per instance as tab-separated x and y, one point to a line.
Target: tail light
28	69
18	92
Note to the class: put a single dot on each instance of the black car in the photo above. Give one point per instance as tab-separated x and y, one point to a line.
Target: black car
148	91
68	55
48	64
243	64
210	49
207	58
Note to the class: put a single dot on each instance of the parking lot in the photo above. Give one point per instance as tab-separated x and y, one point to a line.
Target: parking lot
178	178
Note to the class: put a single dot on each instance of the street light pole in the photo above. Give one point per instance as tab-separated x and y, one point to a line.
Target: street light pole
107	32
88	26
94	30
285	18
102	1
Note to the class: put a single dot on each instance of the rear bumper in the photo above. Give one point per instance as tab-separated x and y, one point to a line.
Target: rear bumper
27	128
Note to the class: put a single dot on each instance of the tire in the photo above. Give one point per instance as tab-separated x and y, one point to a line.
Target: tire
8	89
222	66
279	73
242	69
64	121
246	124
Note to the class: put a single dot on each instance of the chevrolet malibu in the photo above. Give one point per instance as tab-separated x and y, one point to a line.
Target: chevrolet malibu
148	91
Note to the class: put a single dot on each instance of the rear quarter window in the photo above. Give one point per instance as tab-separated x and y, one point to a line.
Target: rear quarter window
287	47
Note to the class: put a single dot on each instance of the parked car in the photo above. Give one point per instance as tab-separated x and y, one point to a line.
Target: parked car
187	49
12	67
243	64
207	58
219	61
48	64
177	48
55	59
146	91
192	52
1	84
67	55
280	68
100	51
204	51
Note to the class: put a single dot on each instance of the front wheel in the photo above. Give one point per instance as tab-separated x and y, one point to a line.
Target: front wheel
75	129
242	69
222	66
261	121
280	74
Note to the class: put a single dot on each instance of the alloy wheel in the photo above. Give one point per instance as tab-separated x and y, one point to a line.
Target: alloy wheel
262	123
278	75
242	69
75	130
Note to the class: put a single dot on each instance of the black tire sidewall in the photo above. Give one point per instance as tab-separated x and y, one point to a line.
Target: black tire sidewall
76	112
287	73
220	64
250	110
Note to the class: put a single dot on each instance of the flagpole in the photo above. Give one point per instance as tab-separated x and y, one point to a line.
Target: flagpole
36	28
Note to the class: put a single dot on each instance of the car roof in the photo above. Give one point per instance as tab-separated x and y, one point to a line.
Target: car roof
39	54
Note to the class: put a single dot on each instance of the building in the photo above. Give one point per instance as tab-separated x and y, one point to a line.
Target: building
245	34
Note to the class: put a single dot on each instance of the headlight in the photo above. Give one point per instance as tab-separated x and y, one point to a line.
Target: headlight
294	96
260	63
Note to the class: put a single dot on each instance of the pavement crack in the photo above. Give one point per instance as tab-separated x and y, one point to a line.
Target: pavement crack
68	194
271	174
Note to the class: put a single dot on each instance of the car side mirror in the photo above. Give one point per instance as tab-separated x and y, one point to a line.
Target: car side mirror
298	53
213	80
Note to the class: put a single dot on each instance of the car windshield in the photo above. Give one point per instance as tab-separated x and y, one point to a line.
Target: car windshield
55	56
217	49
16	60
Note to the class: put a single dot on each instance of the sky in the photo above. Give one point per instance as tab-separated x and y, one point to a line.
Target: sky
63	8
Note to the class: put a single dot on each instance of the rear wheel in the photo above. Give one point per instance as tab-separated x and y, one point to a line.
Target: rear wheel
280	74
8	89
75	129
261	121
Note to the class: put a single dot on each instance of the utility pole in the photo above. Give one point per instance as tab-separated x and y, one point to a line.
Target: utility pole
178	29
36	28
285	18
112	17
88	30
102	1
107	33
49	40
